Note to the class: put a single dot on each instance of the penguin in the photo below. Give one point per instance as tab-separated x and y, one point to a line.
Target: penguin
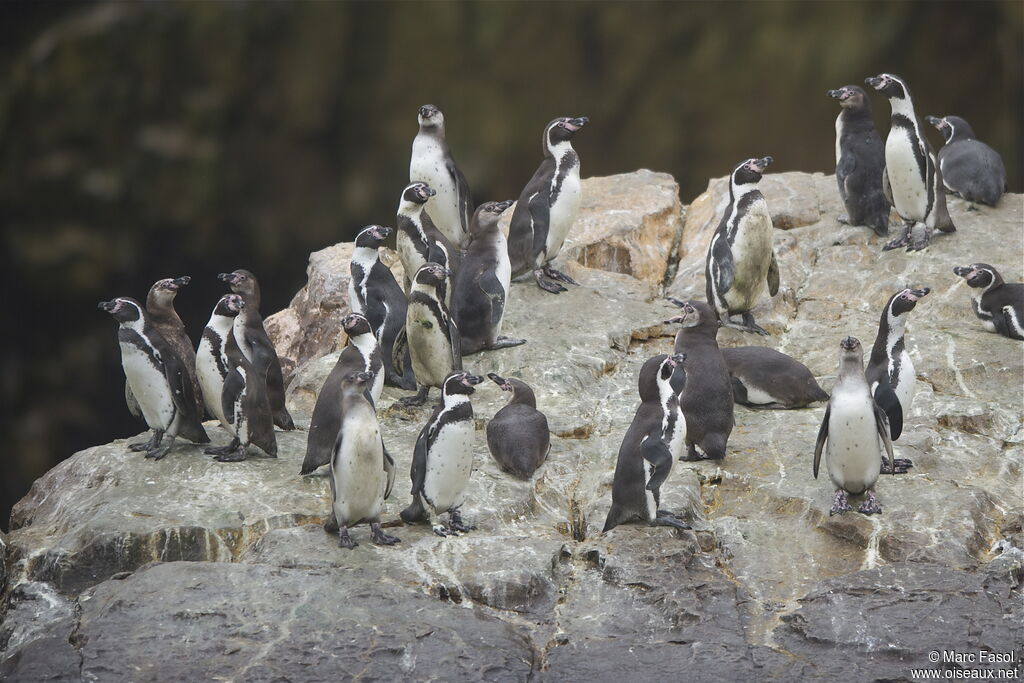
740	258
362	472
766	378
245	402
860	160
911	180
432	163
374	292
418	240
706	398
435	345
999	305
969	167
890	372
212	363
853	427
361	354
481	288
157	378
443	457
518	436
249	333
645	456
547	207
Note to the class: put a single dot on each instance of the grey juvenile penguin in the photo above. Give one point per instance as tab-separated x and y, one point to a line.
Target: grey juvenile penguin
766	378
434	340
969	167
432	163
999	305
518	435
853	427
860	160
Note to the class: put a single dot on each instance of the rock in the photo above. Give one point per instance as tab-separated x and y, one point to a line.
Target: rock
537	590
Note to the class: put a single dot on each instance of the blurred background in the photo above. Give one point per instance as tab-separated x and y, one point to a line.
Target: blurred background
148	140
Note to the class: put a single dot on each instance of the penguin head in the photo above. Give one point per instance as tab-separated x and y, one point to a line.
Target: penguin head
850	345
431	274
889	85
124	309
163	291
356	382
904	301
562	129
749	172
373	236
952	127
241	282
978	274
430	117
693	313
460	382
851	97
520	390
417	193
486	215
356	324
229	306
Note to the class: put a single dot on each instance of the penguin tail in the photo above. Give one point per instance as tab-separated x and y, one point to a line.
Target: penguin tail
615	518
415	513
284	420
713	446
193	431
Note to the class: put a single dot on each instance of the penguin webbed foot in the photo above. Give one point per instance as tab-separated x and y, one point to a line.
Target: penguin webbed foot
843	218
221	450
666	518
547	285
558	275
455	523
237	455
346	540
748	325
898	465
922	242
902	240
419	399
147	446
380	538
506	342
870	506
840	504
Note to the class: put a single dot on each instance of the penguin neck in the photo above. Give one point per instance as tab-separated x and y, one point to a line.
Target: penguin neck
138	325
524	396
559	150
434	135
738	192
453	400
903	106
857	118
161	310
413	213
851	372
221	324
365	257
426	290
366	343
889	342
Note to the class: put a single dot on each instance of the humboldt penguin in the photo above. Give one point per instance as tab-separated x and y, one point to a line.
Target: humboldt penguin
434	340
860	160
969	167
741	258
212	363
766	378
245	403
999	305
432	163
518	436
418	240
547	208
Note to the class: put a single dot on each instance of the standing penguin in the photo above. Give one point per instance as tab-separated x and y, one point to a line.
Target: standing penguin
645	456
706	399
547	207
481	287
374	292
443	457
518	435
890	372
911	179
432	163
741	257
157	378
250	333
853	426
999	305
969	167
860	160
418	240
362	472
361	354
435	345
212	363
245	403
766	378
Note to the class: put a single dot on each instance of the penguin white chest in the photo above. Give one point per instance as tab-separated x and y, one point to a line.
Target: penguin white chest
564	207
650	504
358	469
909	188
210	381
751	254
411	258
238	329
853	454
905	383
503	271
429	165
149	386
430	348
449	464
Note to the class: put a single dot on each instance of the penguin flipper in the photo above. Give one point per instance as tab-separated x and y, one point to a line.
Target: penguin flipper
773	276
886	399
178	379
465	198
656	452
882	424
491	287
455	339
822	436
131	401
886	188
844	170
233	386
389	469
724	266
540	218
418	471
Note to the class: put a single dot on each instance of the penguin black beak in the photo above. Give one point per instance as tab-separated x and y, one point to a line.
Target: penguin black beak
471	380
183	280
108	306
226	277
939	123
849	344
500	207
761	164
577	123
679	358
426	111
962	271
874	81
382	232
496	378
674	321
835	94
675	301
918	293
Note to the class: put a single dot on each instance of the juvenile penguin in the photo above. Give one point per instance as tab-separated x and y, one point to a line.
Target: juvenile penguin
481	288
999	305
706	399
890	372
374	292
418	240
518	435
157	378
969	167
853	426
250	333
443	457
245	403
212	363
434	340
860	160
766	378
645	456
432	163
547	207
911	180
362	472
741	258
361	354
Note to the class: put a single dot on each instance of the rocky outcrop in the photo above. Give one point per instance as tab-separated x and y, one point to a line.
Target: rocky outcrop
120	568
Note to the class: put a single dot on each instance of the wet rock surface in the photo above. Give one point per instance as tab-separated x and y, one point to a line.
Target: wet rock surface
119	568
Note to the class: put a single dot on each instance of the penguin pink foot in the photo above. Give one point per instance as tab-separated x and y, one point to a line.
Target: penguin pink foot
870	506
381	538
840	504
346	540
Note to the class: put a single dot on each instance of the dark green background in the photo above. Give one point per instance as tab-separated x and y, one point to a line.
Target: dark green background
139	141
